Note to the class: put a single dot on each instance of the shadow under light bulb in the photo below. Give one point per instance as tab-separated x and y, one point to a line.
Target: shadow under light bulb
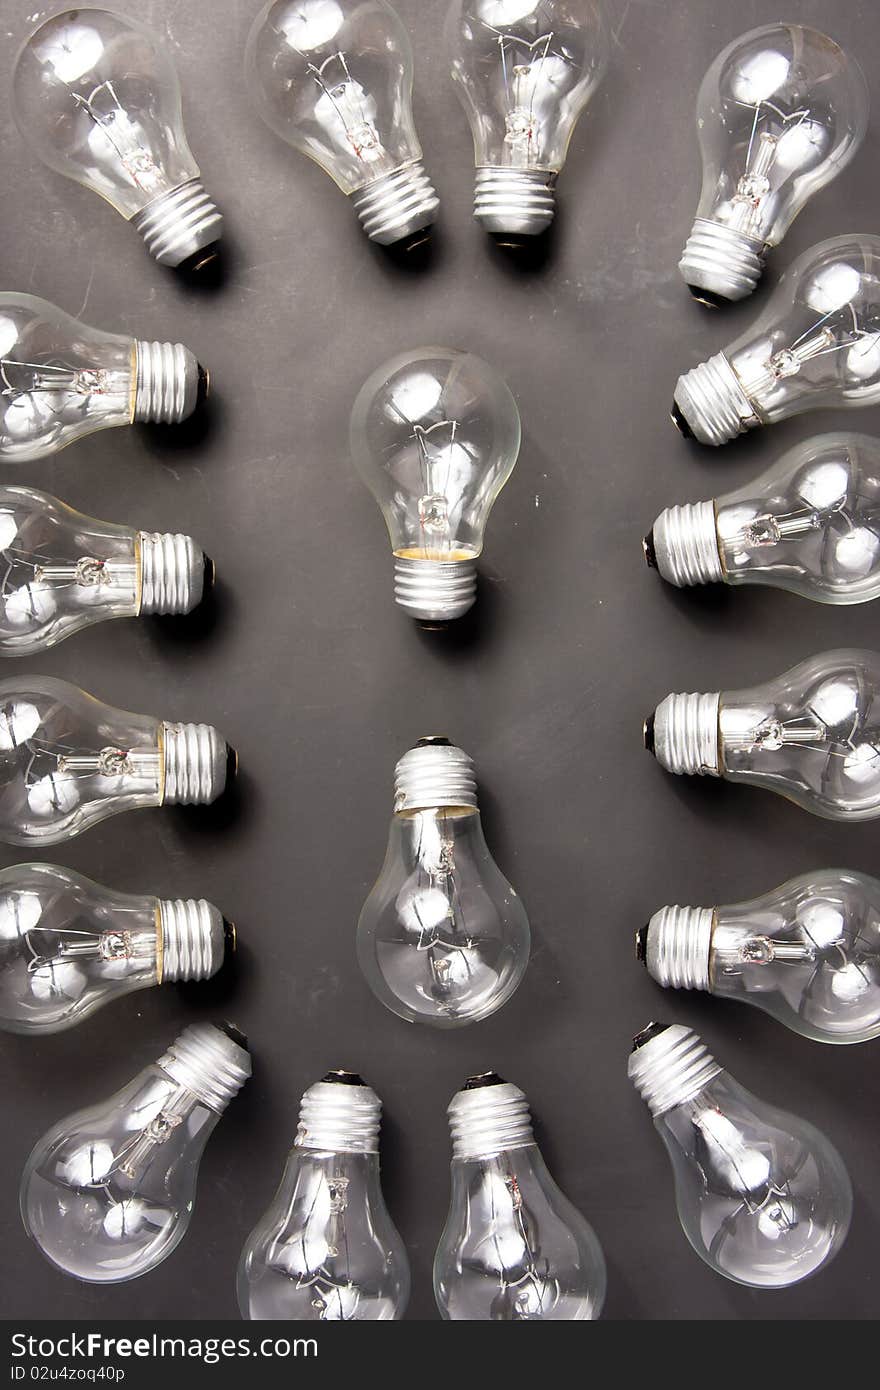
97	99
68	761
68	945
435	435
781	111
334	79
524	72
514	1249
327	1249
762	1195
807	953
442	938
810	524
107	1194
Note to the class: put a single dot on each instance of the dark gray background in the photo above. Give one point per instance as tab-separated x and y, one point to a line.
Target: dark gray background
309	669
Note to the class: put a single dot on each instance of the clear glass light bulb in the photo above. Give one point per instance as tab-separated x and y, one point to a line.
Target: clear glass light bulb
514	1249
327	1249
810	524
442	938
61	380
334	79
763	1197
781	111
96	97
68	761
108	1193
524	71
812	734
816	344
435	435
808	953
68	945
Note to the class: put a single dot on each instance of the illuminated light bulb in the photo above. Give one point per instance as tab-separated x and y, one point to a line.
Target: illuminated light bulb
443	938
108	1193
817	344
781	111
763	1197
435	435
524	71
327	1249
812	735
68	945
61	380
808	953
514	1249
334	79
68	761
810	524
97	99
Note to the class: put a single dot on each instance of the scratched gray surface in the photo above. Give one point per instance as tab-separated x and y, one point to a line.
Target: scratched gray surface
310	671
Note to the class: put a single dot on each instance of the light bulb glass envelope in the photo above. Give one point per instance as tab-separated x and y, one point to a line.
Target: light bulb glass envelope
68	761
514	1249
524	71
334	79
812	734
781	111
807	953
108	1193
810	524
435	434
816	344
327	1249
97	99
443	938
762	1195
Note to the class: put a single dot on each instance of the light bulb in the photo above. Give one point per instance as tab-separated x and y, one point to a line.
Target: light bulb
327	1249
817	344
68	761
514	1249
810	524
524	71
812	735
435	434
442	938
97	99
68	945
763	1197
62	572
334	79
61	380
781	111
808	953
108	1193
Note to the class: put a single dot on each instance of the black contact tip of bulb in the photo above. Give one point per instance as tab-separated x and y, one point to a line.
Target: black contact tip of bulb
344	1078
649	550
201	262
413	242
234	1034
485	1078
434	741
642	945
203	386
230	937
231	764
653	1030
708	297
648	733
680	422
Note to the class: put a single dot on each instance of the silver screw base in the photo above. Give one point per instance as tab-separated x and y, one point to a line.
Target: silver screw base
208	1062
487	1117
168	383
196	759
713	403
179	224
670	1067
193	939
172	572
397	205
340	1114
721	261
522	201
435	590
434	774
684	735
684	545
677	947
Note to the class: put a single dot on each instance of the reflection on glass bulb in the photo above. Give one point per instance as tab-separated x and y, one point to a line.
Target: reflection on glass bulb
68	761
327	1249
762	1196
808	953
514	1249
442	938
813	735
334	79
68	945
98	100
107	1194
810	524
524	71
816	344
435	434
781	111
